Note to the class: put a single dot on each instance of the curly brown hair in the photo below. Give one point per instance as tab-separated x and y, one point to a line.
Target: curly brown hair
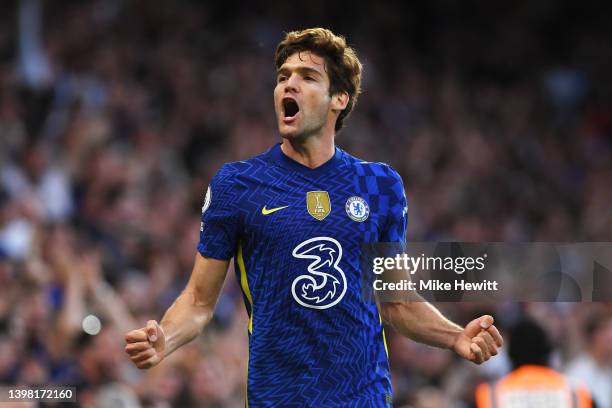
341	62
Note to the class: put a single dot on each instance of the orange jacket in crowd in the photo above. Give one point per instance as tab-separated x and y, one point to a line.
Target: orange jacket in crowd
532	386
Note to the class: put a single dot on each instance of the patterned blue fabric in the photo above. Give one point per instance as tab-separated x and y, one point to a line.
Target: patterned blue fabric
314	341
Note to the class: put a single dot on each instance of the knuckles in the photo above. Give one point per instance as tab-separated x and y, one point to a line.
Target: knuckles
142	358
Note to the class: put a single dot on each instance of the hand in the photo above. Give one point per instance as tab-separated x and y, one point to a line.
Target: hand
479	341
146	345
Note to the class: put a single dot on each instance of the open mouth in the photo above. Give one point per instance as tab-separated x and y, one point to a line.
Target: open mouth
290	108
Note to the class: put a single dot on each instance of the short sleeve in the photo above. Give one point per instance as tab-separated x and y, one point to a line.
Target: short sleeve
220	219
394	229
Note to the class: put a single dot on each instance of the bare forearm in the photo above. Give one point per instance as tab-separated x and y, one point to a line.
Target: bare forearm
421	322
72	312
185	320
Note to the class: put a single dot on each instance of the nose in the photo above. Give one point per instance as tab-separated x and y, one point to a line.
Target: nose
292	83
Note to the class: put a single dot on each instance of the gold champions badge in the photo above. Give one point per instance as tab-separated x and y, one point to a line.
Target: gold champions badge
318	204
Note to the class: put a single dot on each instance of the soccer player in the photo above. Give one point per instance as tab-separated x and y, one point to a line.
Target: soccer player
294	219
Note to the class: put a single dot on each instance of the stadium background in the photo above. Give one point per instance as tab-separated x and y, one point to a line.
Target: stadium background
114	115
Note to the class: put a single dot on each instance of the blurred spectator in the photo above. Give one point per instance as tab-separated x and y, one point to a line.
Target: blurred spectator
594	365
532	382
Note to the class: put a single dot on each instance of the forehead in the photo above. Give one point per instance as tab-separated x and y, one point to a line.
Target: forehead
305	59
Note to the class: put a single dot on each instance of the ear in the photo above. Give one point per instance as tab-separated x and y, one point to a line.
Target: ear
339	101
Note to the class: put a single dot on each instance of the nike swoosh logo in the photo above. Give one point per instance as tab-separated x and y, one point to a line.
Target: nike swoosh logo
266	211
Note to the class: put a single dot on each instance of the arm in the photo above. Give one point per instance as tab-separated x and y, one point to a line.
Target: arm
193	309
422	322
63	263
419	320
184	320
105	299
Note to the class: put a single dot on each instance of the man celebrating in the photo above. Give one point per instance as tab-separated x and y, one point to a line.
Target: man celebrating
294	219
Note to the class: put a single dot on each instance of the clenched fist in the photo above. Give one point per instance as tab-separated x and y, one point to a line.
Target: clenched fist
146	345
479	340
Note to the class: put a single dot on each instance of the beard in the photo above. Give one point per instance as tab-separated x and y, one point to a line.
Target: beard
308	125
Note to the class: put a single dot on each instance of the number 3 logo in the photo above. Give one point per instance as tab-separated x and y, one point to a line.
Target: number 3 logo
325	284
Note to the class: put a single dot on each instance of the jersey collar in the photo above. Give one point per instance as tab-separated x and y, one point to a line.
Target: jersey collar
288	163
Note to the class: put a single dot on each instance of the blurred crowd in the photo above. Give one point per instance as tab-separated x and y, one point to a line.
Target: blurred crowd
115	114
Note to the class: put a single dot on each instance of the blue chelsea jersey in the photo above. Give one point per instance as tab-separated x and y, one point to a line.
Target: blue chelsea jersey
295	234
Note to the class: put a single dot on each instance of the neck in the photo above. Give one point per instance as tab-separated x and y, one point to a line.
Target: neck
311	151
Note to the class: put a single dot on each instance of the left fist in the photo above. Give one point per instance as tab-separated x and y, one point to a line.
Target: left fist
479	340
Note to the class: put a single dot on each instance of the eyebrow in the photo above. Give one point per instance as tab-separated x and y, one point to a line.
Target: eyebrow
300	70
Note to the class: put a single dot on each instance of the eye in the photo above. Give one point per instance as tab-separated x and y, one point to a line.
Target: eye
281	78
308	78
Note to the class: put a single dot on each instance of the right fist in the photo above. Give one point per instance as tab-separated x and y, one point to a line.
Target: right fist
146	346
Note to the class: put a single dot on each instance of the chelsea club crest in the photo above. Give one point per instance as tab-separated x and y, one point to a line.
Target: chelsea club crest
357	209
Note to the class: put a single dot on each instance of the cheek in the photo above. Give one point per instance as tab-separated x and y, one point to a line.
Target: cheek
318	100
277	97
323	102
278	91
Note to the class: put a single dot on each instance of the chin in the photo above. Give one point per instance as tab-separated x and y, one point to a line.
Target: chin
288	133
